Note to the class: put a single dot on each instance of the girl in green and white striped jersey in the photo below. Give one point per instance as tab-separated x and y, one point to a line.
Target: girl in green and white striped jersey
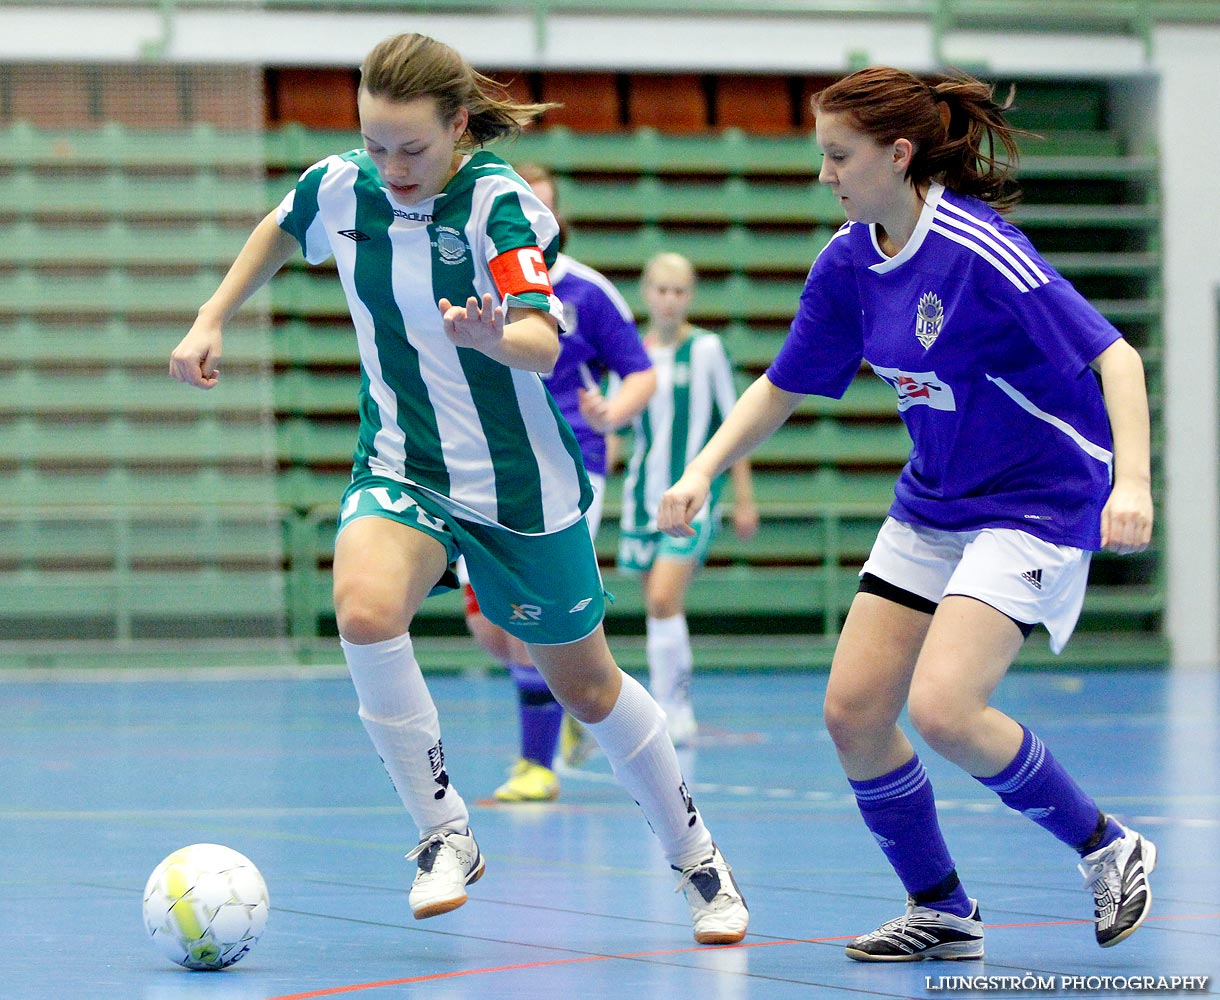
694	393
443	251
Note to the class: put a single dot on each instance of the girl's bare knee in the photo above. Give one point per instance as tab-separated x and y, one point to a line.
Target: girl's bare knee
363	618
944	724
852	724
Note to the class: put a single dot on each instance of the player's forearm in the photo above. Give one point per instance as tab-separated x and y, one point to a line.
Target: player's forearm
762	408
743	482
530	341
632	396
267	250
1122	380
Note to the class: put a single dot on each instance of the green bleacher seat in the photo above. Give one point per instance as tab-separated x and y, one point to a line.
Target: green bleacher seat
734	247
51	341
728	152
296	292
114	194
146	392
649	198
141	537
804	540
830	442
1035	166
306	442
1083	141
292	148
121	486
304	488
299	342
120	243
112	291
1143	219
114	145
1125	265
116	440
814	595
784	491
165	604
308	392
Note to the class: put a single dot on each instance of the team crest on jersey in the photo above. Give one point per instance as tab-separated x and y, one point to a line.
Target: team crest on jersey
928	318
451	246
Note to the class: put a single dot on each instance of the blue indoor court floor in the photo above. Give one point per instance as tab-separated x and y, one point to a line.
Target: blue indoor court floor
105	774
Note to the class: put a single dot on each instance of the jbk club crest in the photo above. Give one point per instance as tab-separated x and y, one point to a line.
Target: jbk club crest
928	319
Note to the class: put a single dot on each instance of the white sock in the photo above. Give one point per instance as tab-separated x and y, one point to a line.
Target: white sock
400	717
669	660
637	745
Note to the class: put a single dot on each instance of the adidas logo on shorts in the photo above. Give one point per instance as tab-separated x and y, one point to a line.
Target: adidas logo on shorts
1033	577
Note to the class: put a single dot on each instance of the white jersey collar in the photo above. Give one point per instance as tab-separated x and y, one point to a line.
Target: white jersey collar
931	200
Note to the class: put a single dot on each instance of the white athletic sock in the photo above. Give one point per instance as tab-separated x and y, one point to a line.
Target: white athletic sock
400	717
669	660
637	745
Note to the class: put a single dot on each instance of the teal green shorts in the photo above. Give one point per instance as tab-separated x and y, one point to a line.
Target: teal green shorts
638	550
544	589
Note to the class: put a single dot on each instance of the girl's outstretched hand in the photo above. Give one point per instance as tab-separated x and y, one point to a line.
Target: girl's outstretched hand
681	502
1126	519
196	359
478	325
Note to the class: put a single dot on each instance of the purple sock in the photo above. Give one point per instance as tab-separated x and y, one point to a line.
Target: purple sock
1037	786
541	715
900	812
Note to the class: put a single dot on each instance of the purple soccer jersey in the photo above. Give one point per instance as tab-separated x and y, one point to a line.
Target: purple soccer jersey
988	350
601	337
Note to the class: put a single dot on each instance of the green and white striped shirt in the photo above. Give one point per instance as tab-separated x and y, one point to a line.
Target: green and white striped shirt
694	394
486	439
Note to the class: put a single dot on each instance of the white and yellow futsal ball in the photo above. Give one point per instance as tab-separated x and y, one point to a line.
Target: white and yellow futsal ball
205	906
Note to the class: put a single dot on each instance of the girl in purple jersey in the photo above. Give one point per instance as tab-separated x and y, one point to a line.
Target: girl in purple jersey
1019	470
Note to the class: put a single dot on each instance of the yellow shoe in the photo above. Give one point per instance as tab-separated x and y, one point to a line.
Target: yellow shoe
529	782
575	744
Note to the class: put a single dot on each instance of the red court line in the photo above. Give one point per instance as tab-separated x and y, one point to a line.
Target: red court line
334	991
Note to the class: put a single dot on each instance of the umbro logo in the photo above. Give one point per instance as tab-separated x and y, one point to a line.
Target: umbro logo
1033	577
354	234
580	605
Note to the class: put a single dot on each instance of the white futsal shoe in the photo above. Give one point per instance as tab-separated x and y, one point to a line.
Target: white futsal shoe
717	909
448	862
1118	877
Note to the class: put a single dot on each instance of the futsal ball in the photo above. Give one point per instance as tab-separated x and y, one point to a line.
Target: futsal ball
205	906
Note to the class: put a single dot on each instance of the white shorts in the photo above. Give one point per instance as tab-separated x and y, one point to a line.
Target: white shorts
593	517
1017	574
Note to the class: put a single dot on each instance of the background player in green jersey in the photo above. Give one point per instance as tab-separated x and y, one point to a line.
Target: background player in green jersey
694	394
443	253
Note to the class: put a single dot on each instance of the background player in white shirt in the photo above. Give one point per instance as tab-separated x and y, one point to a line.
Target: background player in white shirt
695	392
1019	470
460	450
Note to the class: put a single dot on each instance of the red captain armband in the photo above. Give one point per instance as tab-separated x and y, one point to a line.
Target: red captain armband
522	270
